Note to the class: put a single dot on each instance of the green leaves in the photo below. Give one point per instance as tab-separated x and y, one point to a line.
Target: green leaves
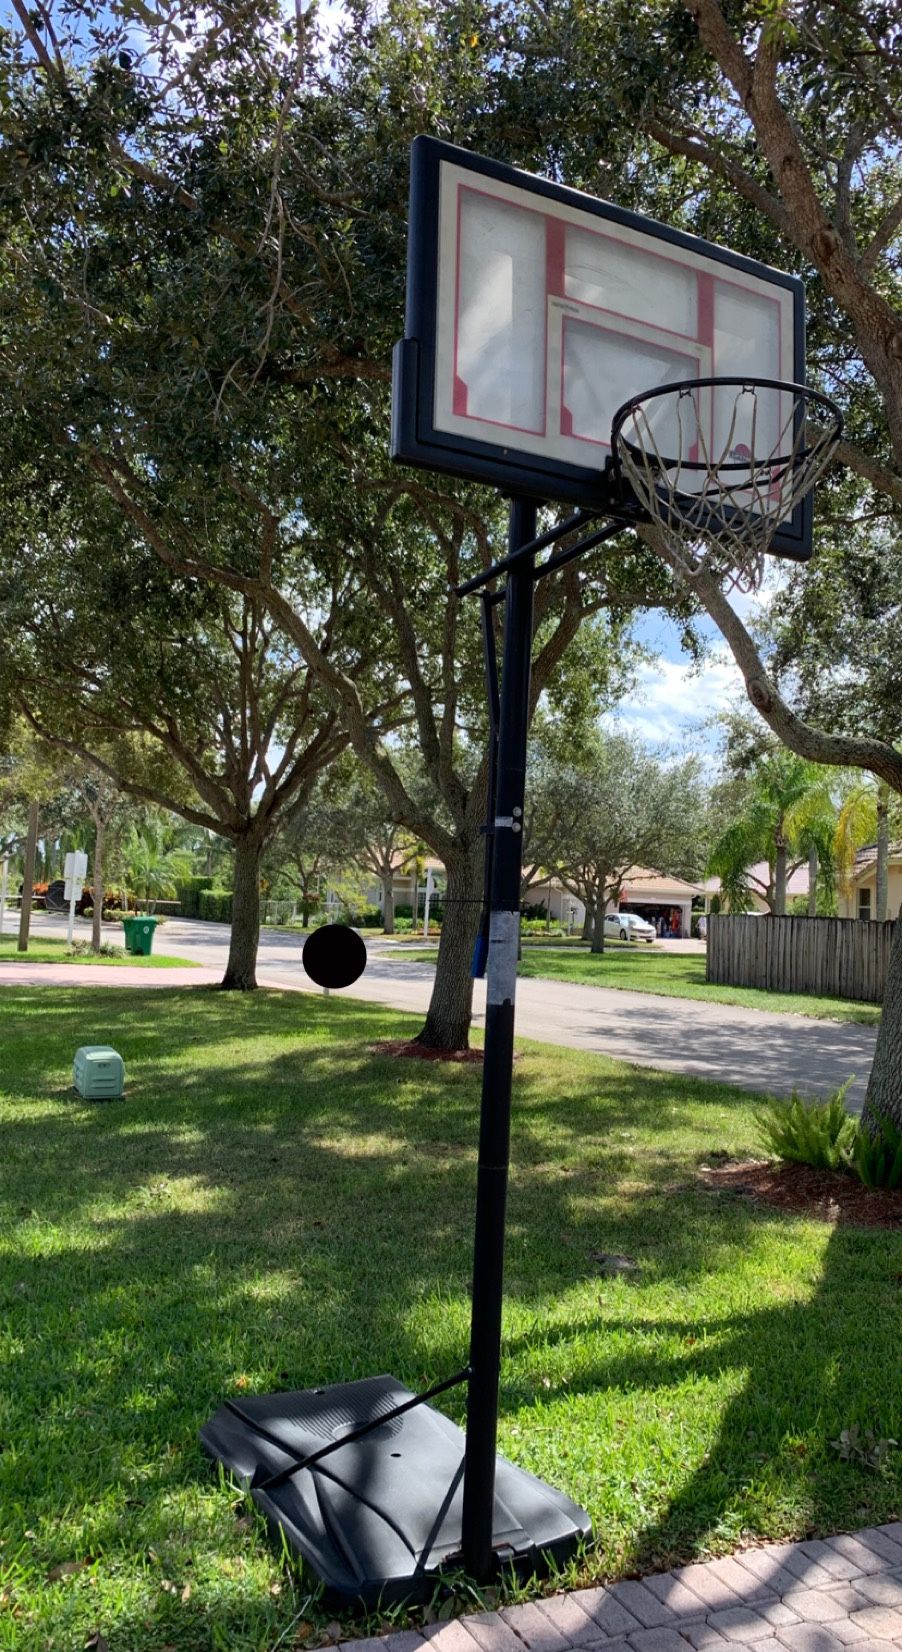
819	1133
822	1134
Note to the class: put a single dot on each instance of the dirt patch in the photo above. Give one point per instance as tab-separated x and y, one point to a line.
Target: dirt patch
829	1195
408	1048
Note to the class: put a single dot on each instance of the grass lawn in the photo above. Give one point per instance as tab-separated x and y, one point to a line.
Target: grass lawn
675	975
272	1205
44	949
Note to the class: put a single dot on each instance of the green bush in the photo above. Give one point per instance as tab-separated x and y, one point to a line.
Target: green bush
824	1135
877	1159
84	949
819	1133
188	893
403	911
370	917
215	905
539	926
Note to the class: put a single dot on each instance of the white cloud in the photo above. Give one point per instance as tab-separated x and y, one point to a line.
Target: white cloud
673	701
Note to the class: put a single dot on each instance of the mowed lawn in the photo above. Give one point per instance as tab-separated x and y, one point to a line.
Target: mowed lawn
44	949
673	974
273	1205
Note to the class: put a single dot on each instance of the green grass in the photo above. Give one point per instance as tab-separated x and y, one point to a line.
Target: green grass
674	975
271	1205
44	949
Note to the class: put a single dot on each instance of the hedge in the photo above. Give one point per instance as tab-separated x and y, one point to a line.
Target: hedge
215	905
188	893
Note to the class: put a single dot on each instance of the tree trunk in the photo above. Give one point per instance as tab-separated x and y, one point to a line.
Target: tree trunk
388	904
31	844
588	923
813	864
882	893
884	1094
97	918
598	926
241	969
780	881
451	1005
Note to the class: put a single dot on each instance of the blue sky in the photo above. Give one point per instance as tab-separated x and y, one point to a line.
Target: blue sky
674	701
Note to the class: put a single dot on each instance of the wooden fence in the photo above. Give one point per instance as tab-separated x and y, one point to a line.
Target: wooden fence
836	957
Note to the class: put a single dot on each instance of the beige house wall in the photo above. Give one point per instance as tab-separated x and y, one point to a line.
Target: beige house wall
848	905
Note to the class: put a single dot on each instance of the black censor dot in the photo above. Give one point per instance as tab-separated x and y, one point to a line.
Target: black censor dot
334	956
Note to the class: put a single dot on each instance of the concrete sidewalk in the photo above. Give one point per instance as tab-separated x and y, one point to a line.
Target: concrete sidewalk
820	1596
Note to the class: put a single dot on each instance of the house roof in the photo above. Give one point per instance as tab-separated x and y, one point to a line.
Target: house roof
866	860
646	883
759	875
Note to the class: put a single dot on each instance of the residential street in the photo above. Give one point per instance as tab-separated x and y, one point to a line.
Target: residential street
750	1048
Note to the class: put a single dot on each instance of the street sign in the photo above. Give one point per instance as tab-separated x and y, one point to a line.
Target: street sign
76	870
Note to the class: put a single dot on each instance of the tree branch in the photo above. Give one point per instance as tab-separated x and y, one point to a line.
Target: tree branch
694	147
842	750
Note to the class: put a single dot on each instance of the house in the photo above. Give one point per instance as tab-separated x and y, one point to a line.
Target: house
861	900
409	887
759	877
657	896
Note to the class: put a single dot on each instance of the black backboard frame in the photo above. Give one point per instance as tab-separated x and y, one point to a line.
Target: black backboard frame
415	439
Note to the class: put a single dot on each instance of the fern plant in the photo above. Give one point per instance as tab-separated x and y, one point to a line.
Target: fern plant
877	1154
819	1133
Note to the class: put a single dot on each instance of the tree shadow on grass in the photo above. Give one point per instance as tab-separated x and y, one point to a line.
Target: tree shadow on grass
301	1212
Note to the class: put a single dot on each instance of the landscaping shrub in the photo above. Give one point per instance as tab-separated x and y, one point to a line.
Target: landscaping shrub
84	949
215	905
823	1135
188	893
877	1159
819	1133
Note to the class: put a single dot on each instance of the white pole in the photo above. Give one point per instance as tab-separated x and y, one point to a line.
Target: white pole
4	882
72	899
426	907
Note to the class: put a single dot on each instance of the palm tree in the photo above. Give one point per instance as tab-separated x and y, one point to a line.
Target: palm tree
788	816
153	865
864	818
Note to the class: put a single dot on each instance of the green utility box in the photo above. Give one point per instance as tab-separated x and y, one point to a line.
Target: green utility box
98	1073
139	935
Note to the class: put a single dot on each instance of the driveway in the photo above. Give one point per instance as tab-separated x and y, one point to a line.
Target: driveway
754	1049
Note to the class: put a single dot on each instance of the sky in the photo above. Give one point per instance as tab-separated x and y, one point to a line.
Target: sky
674	700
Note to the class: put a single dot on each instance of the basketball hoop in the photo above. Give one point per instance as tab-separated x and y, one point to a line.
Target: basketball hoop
720	463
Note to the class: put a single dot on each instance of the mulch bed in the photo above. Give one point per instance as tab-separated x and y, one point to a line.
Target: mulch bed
829	1195
408	1047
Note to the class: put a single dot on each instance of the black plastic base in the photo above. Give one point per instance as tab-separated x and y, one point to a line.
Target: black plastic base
379	1519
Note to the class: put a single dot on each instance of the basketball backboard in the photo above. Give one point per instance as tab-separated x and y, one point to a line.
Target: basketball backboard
534	312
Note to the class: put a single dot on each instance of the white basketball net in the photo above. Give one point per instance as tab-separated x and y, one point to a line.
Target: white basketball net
720	467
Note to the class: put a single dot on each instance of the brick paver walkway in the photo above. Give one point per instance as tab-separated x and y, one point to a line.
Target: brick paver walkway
820	1596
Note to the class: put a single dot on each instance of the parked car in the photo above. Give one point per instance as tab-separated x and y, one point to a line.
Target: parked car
626	926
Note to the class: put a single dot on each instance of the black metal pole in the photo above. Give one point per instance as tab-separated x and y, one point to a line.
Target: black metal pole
497	1072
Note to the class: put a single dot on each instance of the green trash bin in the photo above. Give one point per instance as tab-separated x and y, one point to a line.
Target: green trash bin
139	935
142	939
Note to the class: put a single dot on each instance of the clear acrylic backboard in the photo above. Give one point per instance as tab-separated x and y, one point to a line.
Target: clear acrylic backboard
534	312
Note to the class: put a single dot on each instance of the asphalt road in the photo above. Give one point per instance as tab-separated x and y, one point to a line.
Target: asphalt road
754	1049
